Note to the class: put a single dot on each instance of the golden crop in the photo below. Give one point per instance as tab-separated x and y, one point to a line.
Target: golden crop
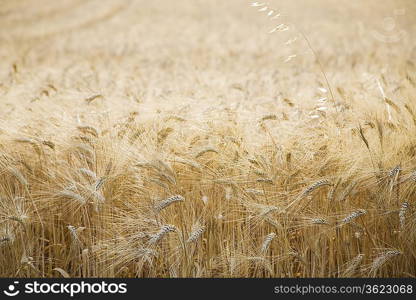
211	138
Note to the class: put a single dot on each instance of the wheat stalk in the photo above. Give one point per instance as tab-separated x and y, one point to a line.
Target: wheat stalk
167	202
73	196
319	221
353	265
353	216
254	192
100	183
204	151
18	175
88	129
163	231
188	162
266	242
74	234
196	233
382	260
88	173
147	254
315	186
402	214
393	173
347	191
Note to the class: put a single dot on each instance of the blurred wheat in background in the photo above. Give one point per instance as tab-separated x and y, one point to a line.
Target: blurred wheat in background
209	138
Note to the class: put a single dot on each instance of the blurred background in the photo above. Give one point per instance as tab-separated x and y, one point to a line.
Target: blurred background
194	50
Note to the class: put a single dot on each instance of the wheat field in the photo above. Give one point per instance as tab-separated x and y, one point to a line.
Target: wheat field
211	138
